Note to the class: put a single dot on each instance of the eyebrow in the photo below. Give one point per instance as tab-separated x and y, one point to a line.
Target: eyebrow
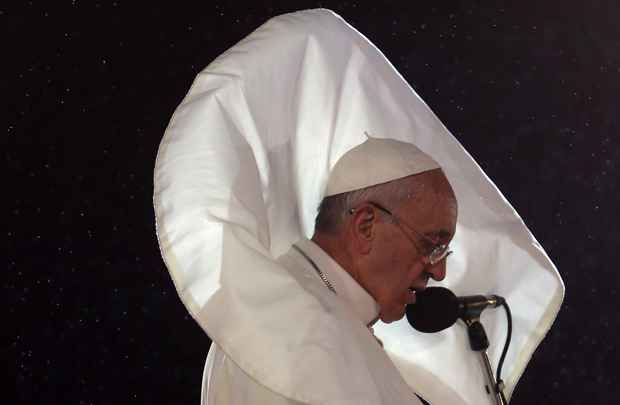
440	234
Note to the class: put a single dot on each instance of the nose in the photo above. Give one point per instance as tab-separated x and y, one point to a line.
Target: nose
438	271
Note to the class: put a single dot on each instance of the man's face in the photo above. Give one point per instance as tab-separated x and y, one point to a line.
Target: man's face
399	258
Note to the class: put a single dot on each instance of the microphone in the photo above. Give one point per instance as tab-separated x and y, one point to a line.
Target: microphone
437	308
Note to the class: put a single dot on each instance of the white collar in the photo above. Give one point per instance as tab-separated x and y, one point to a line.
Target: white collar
360	301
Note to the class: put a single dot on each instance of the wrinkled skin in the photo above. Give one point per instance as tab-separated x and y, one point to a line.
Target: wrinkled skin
386	259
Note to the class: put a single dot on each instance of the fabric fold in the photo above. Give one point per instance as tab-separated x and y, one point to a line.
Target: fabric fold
239	174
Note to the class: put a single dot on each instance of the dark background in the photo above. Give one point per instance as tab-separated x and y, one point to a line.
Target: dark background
529	88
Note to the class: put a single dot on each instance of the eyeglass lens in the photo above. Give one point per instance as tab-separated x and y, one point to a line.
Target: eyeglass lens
439	253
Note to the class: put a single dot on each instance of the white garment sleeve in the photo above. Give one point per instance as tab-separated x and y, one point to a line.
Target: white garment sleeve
225	383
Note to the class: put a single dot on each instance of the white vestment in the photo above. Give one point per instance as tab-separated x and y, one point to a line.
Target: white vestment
239	174
224	382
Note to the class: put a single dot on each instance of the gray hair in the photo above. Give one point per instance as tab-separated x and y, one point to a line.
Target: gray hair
333	210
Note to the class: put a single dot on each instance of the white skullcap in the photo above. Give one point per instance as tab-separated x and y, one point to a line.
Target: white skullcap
377	161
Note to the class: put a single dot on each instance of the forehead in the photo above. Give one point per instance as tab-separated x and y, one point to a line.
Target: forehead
433	208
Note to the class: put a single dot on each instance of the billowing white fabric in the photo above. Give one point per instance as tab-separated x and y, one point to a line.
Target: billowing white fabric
240	171
377	161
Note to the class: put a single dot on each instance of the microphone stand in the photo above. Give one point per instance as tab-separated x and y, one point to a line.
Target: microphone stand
480	343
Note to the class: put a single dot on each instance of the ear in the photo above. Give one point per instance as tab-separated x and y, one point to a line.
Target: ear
363	228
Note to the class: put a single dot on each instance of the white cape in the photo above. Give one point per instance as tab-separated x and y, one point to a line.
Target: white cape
240	172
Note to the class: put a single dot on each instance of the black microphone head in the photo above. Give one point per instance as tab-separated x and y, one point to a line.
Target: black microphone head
435	309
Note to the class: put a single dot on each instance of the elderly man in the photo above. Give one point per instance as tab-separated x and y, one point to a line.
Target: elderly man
381	232
388	238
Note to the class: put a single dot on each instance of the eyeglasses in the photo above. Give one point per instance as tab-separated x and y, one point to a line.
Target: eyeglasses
437	253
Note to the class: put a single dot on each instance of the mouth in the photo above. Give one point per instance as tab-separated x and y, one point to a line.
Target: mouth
413	290
411	297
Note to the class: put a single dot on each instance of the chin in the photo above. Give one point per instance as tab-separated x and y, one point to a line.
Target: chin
393	316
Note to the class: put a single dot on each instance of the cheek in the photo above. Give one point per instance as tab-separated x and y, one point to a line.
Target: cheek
399	269
400	251
405	259
396	257
395	270
388	251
